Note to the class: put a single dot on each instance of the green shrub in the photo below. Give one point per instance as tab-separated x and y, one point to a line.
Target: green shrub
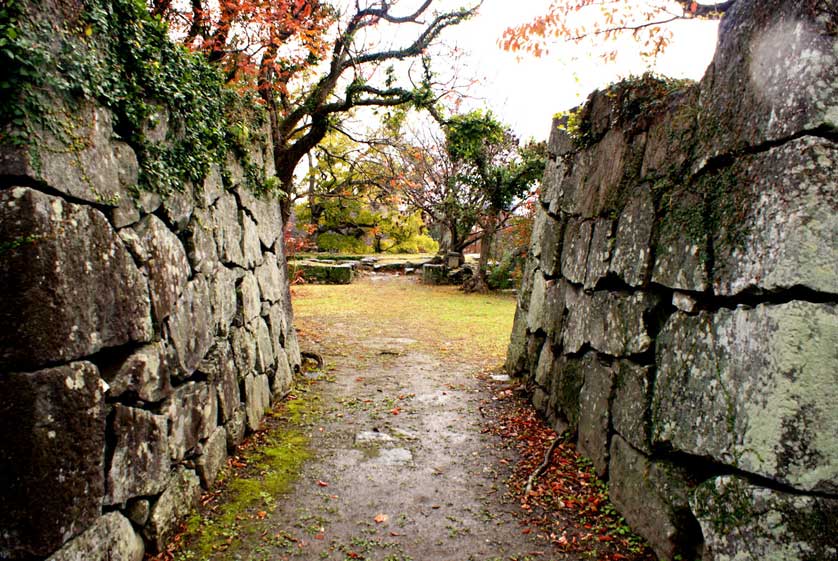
338	243
416	244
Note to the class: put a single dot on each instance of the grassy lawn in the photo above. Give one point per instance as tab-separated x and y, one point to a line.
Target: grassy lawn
441	319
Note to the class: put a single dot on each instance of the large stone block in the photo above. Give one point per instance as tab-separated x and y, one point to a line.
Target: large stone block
192	411
271	279
52	457
176	502
70	288
191	326
228	230
632	404
250	303
671	137
537	310
599	253
282	378
653	498
594	177
755	389
632	242
743	521
516	352
773	75
110	538
224	299
265	356
681	250
257	394
551	245
201	249
243	343
178	207
266	214
84	161
145	372
611	322
139	465
250	241
575	247
777	220
221	371
167	266
213	453
594	419
568	375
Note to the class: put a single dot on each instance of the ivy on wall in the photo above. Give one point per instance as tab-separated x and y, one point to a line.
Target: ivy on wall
56	55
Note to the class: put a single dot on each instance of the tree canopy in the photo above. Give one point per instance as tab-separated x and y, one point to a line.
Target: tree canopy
313	63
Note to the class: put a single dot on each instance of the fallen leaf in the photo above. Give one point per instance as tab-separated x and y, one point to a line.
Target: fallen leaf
322	483
395	410
261	514
381	518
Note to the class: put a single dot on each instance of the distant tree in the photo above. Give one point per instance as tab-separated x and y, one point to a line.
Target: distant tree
577	20
312	63
494	165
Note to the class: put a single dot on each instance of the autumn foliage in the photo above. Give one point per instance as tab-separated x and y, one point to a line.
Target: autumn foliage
579	20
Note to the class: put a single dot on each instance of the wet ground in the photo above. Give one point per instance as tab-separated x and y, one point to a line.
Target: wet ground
401	462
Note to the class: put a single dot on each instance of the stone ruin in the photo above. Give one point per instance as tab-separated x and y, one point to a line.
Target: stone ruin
679	309
142	338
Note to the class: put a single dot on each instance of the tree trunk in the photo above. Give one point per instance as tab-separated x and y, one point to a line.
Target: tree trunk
480	282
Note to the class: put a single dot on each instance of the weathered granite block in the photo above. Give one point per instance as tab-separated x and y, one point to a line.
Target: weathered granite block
594	418
176	502
755	389
213	454
631	405
271	279
110	538
70	288
632	242
257	394
192	411
249	301
221	371
681	256
266	214
777	220
201	249
575	247
145	372
228	230
773	75
599	254
191	327
167	266
139	465
96	168
653	498
52	457
738	517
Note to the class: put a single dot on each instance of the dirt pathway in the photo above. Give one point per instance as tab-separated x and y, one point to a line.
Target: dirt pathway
401	464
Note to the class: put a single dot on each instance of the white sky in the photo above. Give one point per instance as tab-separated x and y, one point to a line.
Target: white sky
525	92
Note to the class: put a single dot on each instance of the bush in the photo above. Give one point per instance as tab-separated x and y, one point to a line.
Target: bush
416	244
338	243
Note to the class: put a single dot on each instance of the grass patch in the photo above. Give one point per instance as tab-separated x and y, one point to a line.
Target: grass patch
264	469
442	319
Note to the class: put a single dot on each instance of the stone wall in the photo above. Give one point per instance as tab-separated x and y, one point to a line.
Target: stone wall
679	310
142	338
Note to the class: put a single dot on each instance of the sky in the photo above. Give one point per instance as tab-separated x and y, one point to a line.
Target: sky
525	92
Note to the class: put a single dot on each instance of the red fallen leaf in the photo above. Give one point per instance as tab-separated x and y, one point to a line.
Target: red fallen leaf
396	534
322	483
359	379
526	531
381	518
261	514
319	537
395	410
353	555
